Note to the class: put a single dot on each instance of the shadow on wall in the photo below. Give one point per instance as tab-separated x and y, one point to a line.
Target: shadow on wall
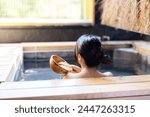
67	33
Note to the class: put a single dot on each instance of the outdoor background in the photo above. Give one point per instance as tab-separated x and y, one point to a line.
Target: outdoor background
41	9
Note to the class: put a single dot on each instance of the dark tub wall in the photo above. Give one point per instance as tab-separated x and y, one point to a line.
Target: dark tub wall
67	33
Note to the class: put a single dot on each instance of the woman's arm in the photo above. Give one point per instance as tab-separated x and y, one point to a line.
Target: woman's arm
71	73
75	68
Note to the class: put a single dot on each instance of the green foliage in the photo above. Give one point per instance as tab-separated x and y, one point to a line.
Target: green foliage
40	8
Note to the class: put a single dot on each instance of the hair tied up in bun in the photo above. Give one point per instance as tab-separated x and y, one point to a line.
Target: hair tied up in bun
106	59
90	48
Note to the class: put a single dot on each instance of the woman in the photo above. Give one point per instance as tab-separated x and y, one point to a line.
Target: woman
89	54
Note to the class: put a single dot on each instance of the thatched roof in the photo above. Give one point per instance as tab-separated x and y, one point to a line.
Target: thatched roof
127	14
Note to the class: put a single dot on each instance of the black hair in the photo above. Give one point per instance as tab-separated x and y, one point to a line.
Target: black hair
90	48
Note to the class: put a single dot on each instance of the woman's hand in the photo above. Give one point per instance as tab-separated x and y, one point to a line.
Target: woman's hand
70	68
65	65
75	68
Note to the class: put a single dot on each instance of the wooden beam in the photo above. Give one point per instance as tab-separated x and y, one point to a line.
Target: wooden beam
92	88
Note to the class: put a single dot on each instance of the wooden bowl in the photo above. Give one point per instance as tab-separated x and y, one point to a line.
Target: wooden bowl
55	63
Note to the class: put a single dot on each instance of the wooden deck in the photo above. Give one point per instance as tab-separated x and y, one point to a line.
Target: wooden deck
70	45
129	87
143	47
10	58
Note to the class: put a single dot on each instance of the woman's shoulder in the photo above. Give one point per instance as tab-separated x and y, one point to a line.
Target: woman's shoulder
83	75
72	75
